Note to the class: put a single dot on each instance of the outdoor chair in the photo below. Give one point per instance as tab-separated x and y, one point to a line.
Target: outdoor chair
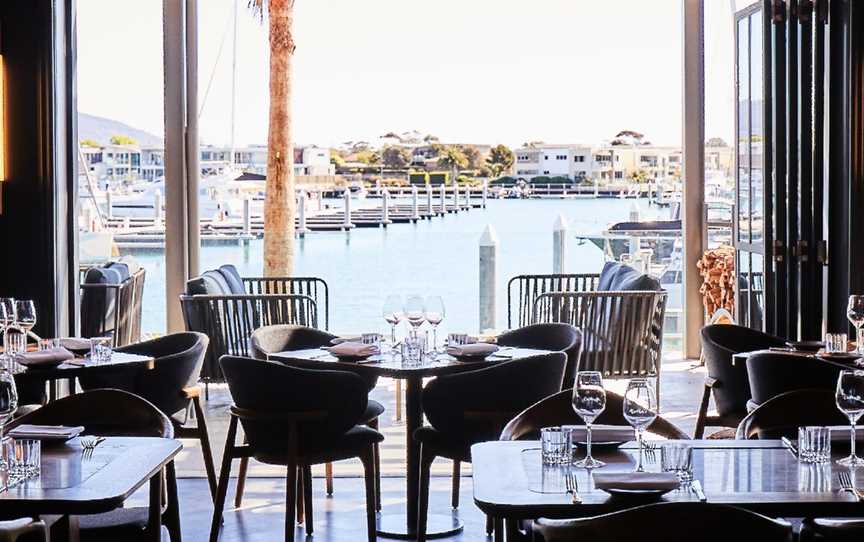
782	415
471	407
228	308
291	417
116	413
281	338
171	385
773	373
725	381
31	530
111	303
621	321
669	522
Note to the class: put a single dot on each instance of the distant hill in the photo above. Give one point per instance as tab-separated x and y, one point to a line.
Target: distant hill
101	129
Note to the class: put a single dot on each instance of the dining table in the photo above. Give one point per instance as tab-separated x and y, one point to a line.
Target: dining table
841	363
403	525
764	476
74	481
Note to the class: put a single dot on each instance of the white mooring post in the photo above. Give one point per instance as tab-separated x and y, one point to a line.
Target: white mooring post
247	216
346	222
485	192
559	244
468	197
415	210
634	241
301	210
157	208
109	203
385	206
429	207
455	196
443	198
488	262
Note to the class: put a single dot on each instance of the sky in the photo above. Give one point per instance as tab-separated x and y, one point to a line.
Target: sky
467	71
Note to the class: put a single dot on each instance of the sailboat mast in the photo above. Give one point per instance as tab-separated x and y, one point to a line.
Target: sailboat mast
233	85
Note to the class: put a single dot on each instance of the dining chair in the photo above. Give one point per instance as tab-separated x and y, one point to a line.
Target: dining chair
171	384
291	417
115	413
281	338
31	530
726	382
782	415
831	530
470	407
773	373
668	522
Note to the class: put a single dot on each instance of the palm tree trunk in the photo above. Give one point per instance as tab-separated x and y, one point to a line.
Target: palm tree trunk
280	204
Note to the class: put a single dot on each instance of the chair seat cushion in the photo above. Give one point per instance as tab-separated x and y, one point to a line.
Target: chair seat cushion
114	524
373	410
442	445
351	444
233	278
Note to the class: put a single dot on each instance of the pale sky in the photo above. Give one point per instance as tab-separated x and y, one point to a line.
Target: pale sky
471	71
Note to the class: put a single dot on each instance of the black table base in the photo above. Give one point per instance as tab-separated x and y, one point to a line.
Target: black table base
437	526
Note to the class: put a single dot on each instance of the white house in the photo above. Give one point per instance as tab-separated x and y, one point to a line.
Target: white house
571	161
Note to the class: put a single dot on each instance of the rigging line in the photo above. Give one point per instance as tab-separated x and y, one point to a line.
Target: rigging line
216	63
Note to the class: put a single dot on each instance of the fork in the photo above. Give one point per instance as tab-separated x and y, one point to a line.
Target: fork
846	485
89	445
650	451
572	487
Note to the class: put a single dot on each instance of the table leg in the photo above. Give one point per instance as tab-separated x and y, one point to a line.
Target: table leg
154	514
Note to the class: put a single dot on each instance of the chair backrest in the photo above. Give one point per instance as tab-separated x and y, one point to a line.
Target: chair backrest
283	337
454	404
229	320
269	390
773	373
179	358
111	304
669	522
781	416
522	290
313	287
622	331
558	410
719	343
103	412
553	336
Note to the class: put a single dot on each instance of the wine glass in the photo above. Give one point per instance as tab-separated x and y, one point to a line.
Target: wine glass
25	314
8	400
414	312
7	314
640	410
850	401
855	313
589	401
434	314
393	314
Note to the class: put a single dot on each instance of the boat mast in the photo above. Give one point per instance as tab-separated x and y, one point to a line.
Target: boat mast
233	85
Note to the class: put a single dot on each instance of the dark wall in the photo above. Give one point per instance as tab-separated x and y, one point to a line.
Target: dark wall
34	224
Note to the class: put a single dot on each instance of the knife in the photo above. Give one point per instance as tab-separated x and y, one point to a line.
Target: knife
791	446
696	486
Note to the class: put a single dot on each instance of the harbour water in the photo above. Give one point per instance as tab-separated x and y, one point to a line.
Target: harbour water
432	257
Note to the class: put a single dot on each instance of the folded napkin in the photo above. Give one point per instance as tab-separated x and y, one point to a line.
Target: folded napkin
340	340
75	345
476	349
353	349
603	433
50	357
45	431
635	480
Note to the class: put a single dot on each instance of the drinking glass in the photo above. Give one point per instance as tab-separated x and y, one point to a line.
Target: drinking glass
412	350
814	444
677	457
25	314
26	458
640	410
555	445
7	311
855	313
393	314
414	312
100	349
8	399
434	314
850	401
589	401
836	342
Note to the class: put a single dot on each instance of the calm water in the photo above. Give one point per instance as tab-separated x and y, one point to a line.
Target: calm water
433	257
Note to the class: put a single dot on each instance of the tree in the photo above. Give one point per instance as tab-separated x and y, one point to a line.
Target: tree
716	142
629	137
639	176
472	154
500	159
337	159
370	158
396	157
453	159
89	143
121	140
279	202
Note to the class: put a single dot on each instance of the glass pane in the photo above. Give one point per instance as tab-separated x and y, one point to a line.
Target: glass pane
757	291
742	309
757	144
743	101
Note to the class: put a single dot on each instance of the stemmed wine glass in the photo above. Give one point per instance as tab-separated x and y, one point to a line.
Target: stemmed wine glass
414	312
640	410
8	400
855	313
850	401
7	312
434	314
589	401
393	314
25	315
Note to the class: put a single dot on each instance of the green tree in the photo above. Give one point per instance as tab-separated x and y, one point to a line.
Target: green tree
337	159
716	142
500	159
472	154
639	176
122	140
89	143
396	157
453	159
370	157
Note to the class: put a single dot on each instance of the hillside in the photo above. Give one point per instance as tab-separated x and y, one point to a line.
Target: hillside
101	129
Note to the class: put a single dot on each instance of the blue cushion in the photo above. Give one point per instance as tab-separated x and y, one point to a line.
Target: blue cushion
121	268
101	275
206	284
607	276
619	277
233	278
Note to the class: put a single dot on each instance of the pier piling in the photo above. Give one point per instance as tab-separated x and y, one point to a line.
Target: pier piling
247	216
559	244
109	203
485	192
301	209
429	207
443	199
346	223
488	275
385	207
157	209
415	211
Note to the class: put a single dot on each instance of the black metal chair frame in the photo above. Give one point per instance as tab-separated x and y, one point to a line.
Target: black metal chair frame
126	313
522	290
313	287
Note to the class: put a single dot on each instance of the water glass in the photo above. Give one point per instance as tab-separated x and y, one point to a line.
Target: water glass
556	445
48	344
14	340
640	410
836	342
589	401
677	457
100	349
855	314
412	350
850	401
457	339
25	458
373	339
814	444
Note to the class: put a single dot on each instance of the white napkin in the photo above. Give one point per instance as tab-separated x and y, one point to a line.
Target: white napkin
353	349
340	340
476	349
45	431
75	344
603	433
635	480
50	357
